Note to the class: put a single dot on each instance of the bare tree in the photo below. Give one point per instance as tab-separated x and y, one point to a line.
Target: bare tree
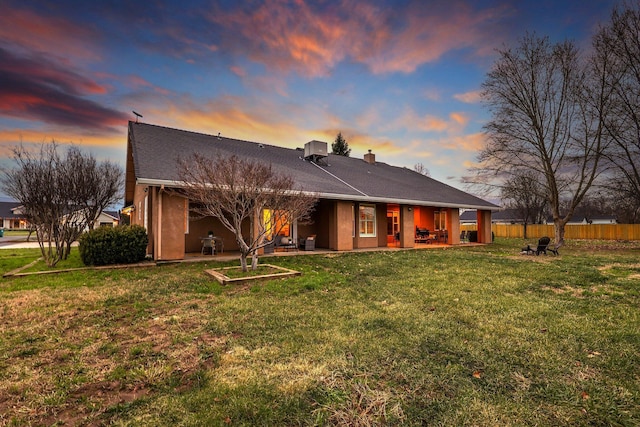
61	195
617	47
523	193
421	169
237	191
547	106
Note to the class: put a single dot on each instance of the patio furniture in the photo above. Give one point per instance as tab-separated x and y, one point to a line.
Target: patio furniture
423	235
285	243
543	246
442	235
208	245
308	244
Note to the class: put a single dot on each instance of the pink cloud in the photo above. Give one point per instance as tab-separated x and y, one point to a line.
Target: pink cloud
311	40
238	71
39	33
472	97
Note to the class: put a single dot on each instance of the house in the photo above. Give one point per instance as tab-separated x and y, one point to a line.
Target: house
12	217
503	216
107	219
362	203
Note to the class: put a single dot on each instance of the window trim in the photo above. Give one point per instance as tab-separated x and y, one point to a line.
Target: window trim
365	221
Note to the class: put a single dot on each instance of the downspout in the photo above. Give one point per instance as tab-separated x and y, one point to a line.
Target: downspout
159	226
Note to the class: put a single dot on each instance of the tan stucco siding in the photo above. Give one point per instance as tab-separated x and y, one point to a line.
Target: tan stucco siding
170	215
407	228
341	226
453	225
484	226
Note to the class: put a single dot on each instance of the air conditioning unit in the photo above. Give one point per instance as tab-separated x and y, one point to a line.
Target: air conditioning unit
315	150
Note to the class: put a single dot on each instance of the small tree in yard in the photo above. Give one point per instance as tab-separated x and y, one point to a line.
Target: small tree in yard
61	195
235	191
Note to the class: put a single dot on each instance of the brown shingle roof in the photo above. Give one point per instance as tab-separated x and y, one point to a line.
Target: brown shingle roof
155	150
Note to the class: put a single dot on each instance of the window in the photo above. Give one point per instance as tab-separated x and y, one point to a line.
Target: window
439	220
277	222
367	221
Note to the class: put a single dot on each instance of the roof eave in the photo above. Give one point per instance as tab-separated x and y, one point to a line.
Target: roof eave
351	197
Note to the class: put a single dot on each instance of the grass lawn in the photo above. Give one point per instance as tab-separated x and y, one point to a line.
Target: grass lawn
477	336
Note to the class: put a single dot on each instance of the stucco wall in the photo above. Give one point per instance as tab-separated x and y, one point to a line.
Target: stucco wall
407	227
171	216
484	226
341	226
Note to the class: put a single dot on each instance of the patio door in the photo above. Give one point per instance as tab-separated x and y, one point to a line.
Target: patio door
393	226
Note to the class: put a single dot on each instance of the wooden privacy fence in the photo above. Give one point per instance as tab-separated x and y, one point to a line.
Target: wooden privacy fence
572	231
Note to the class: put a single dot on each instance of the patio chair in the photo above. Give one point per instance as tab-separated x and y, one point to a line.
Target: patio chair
543	246
208	245
308	244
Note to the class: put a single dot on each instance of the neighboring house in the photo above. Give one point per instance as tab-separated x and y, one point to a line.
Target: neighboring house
362	203
581	219
107	219
12	217
503	216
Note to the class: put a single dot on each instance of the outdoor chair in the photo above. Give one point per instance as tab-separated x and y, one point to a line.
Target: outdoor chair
308	244
208	245
543	246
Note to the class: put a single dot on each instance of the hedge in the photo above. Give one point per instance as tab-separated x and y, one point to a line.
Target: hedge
124	244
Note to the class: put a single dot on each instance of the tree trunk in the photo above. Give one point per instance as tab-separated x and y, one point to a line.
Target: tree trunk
525	229
559	232
243	261
254	260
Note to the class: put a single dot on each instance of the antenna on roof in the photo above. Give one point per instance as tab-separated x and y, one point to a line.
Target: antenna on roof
137	115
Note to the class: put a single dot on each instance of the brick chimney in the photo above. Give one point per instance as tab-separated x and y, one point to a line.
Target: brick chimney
370	158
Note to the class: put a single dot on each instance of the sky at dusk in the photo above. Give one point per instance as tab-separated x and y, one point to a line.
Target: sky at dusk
401	78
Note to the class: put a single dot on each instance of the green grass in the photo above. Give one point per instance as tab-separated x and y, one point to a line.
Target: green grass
477	336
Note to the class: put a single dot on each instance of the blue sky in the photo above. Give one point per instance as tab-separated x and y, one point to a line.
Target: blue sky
401	78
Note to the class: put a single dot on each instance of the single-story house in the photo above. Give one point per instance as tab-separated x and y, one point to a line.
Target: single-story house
107	219
12	217
503	216
362	203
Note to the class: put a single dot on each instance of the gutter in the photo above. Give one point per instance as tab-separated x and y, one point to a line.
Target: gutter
351	197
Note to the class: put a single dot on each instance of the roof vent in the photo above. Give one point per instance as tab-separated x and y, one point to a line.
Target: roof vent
314	150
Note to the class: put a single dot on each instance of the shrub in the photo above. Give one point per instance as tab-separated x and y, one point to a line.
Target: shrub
123	244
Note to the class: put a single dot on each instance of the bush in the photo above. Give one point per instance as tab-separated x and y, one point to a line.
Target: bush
114	245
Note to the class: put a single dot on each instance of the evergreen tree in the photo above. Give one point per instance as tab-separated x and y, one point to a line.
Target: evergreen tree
340	146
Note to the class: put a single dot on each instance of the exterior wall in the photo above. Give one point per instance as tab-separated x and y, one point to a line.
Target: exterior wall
453	225
170	216
407	227
423	218
200	227
484	226
381	225
341	226
140	215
